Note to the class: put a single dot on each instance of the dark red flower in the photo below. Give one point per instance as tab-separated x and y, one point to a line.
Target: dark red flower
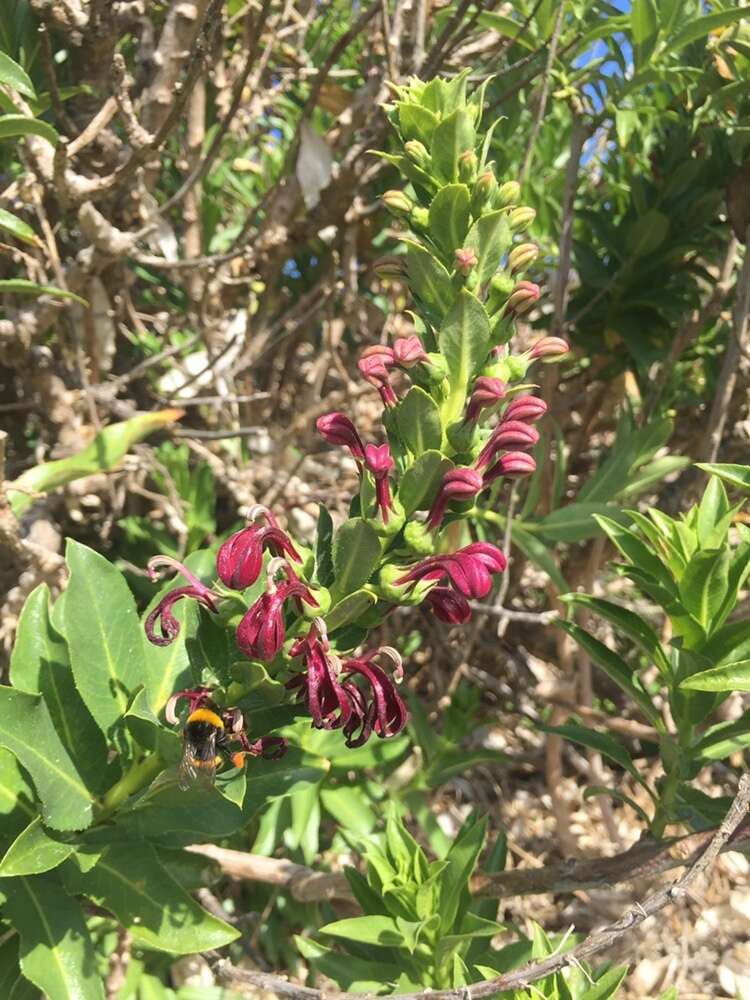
337	428
462	483
240	558
469	569
449	606
319	685
486	392
169	627
261	633
512	463
527	409
408	351
379	462
374	365
509	434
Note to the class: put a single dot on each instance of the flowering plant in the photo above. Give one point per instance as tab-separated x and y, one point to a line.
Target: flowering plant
457	416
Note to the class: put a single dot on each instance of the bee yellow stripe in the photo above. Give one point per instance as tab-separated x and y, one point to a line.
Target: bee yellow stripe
206	715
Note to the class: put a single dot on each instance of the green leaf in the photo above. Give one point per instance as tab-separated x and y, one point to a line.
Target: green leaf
145	727
26	730
449	218
539	553
735	475
647	234
594	791
132	883
351	973
654	472
724	739
323	547
727	677
631	449
489	238
356	551
350	807
416	122
704	584
454	881
464	341
56	952
15	126
626	621
16	798
352	607
34	851
453	136
429	282
104	635
508	28
616	669
418	422
15	226
378	930
15	76
573	523
699	27
104	452
420	484
40	664
607	985
712	510
603	743
644	27
637	552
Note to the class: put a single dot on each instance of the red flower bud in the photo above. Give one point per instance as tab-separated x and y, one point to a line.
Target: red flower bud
512	463
487	392
337	428
527	409
459	484
408	351
509	434
465	261
523	297
379	462
549	348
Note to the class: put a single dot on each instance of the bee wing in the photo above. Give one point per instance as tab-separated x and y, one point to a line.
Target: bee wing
198	763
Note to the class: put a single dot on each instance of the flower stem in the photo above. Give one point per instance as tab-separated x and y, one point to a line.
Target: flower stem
139	776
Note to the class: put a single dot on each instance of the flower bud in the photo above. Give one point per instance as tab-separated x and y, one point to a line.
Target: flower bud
401	592
408	351
508	193
512	464
521	256
337	428
523	297
462	483
419	217
397	203
518	365
521	217
417	153
467	166
486	392
465	261
549	349
419	539
391	267
484	192
526	409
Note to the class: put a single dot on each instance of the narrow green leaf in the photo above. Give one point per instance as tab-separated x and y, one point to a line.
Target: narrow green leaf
420	484
637	552
418	422
644	26
626	621
616	669
34	851
323	547
727	677
453	136
348	610
699	27
603	743
735	475
449	218
429	282
719	741
56	952
378	930
704	584
646	235
356	551
16	126
508	28
21	286
104	452
454	881
104	635
594	791
574	523
464	341
489	238
540	554
40	664
655	472
131	882
607	984
26	730
15	76
15	226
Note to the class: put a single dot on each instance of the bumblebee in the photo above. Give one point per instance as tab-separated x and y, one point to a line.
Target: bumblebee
205	745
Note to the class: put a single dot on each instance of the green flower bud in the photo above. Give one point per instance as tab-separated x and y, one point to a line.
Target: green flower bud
405	593
394	524
521	217
484	192
461	435
467	166
508	194
323	596
465	261
419	539
517	366
501	286
397	203
419	217
521	256
499	369
417	153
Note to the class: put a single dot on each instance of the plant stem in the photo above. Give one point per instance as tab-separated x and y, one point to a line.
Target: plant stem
139	775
